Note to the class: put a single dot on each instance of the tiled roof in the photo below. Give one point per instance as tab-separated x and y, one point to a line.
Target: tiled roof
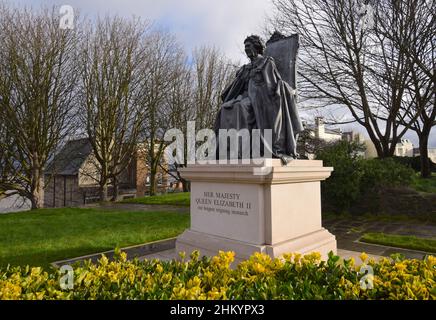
69	160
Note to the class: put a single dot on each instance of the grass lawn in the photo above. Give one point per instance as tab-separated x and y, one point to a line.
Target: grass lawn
399	241
47	235
424	185
175	199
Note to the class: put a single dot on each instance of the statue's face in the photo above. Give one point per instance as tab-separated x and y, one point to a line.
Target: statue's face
250	50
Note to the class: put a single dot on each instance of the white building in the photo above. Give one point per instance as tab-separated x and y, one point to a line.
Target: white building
319	130
404	148
353	136
432	154
326	134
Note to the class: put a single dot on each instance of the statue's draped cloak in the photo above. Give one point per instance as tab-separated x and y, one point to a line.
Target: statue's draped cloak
271	104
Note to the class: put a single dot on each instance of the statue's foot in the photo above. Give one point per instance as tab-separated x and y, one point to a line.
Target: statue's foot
285	159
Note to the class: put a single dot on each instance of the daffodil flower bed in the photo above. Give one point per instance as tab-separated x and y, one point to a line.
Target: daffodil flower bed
291	277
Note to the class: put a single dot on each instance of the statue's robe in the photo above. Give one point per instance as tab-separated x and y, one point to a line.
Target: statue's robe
258	98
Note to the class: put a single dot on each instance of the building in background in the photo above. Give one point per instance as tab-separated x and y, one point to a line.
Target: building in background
318	134
404	148
71	178
320	131
353	136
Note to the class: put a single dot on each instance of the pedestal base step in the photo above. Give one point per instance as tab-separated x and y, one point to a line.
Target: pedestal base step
320	241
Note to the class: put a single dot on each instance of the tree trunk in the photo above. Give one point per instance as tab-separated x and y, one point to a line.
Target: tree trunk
37	190
383	149
388	149
115	190
152	182
379	148
423	154
386	153
103	192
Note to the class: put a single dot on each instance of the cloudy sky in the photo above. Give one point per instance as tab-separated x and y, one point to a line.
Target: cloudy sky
222	23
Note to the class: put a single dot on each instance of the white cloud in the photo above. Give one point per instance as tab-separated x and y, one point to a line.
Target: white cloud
222	23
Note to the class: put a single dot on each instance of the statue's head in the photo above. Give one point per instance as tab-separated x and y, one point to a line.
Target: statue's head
253	46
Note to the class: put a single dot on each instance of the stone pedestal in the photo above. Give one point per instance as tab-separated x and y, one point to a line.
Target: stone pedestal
247	208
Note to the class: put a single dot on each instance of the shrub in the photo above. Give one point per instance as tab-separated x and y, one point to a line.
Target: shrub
291	277
380	173
424	184
354	177
414	163
342	189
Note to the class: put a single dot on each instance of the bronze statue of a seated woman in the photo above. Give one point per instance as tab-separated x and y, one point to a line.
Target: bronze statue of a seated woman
258	98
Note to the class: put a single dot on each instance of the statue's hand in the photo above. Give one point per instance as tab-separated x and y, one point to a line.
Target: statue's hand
245	102
228	104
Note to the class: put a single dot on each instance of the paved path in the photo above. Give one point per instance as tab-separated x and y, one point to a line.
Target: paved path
348	232
14	204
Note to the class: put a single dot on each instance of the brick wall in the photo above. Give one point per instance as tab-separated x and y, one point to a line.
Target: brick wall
141	173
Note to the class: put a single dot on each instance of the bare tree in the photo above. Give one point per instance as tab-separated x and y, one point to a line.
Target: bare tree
37	81
198	94
212	72
110	67
417	42
177	93
8	180
345	60
180	107
165	64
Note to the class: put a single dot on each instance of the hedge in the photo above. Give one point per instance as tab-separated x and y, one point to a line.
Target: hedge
354	178
414	163
342	189
291	277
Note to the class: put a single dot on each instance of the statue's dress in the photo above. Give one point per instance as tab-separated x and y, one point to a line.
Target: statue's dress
258	98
